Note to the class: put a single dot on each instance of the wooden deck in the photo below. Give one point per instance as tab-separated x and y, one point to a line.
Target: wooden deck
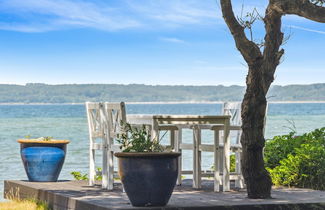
77	195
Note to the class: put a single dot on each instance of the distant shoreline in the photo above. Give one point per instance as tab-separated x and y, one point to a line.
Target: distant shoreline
169	102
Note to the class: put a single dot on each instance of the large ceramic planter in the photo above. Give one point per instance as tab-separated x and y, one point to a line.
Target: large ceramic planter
148	178
43	160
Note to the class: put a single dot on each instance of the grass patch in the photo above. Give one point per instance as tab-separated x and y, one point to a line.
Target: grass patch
23	205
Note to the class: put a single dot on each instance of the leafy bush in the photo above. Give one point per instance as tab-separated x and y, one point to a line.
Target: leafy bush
232	163
137	140
77	175
297	160
280	147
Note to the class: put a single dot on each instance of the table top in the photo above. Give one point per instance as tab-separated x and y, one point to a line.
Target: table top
168	116
178	119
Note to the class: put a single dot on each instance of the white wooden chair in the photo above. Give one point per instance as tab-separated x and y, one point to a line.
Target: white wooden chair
234	110
96	117
115	113
221	172
104	124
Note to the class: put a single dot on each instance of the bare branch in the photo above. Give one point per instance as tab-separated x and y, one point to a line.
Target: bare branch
248	49
310	9
248	20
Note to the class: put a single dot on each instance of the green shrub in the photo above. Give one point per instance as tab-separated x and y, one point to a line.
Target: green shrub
232	163
134	139
77	175
297	160
279	148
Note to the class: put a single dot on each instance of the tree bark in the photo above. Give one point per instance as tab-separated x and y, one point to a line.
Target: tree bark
257	179
260	76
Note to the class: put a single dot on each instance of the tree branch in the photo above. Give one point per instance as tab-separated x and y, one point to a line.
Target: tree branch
272	42
247	48
303	8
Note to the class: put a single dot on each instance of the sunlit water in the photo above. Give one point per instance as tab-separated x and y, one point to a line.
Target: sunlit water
69	122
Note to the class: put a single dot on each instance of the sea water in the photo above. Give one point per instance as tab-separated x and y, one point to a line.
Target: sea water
70	122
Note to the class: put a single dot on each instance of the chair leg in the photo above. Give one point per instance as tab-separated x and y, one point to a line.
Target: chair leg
177	142
196	158
239	182
216	162
110	170
226	161
105	168
92	170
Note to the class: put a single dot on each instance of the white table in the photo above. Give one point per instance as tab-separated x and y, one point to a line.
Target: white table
188	121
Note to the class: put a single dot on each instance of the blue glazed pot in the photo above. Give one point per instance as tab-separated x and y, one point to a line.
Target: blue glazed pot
43	160
148	178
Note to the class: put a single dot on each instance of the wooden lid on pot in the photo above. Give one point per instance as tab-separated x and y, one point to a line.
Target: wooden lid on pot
38	141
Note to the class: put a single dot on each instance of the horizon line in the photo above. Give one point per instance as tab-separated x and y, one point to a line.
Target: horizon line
126	84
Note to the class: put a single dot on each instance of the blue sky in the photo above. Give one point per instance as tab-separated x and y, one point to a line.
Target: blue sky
178	42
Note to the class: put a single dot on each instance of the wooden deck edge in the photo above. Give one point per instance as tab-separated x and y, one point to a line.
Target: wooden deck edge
14	190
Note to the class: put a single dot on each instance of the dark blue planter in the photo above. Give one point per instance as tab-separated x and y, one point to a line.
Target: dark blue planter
148	178
43	161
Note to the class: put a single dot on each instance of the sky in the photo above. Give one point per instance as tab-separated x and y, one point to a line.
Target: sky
165	42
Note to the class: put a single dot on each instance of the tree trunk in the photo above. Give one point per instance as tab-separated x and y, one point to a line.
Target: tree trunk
257	179
262	67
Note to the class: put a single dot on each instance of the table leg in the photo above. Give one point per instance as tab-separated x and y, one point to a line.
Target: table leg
226	155
155	130
177	143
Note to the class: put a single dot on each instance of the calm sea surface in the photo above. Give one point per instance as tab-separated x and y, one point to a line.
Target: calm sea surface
69	122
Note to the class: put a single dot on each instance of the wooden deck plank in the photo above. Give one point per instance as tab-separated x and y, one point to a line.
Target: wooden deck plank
78	195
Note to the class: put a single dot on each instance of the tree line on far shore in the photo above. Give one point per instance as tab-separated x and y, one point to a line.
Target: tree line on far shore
79	93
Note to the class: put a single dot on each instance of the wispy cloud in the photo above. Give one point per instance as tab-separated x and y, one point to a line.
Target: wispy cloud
178	12
307	29
172	39
46	15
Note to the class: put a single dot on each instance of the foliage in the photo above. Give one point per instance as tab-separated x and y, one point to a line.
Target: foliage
232	163
77	175
43	138
298	160
279	147
133	139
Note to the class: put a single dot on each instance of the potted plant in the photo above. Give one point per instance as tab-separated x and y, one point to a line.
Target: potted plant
148	174
42	158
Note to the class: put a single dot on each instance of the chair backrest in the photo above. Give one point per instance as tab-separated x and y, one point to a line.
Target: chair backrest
96	118
234	110
115	115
